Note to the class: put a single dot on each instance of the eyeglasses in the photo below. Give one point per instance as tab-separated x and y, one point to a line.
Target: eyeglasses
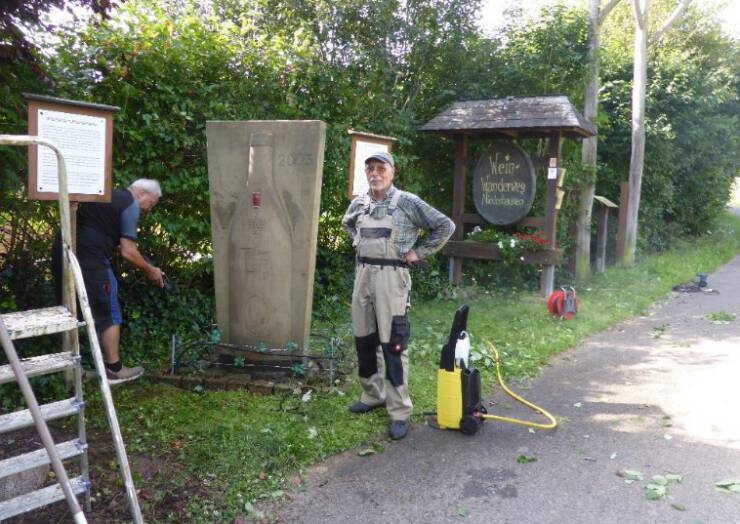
380	168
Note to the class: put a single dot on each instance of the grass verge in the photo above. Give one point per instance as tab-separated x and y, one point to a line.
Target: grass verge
248	449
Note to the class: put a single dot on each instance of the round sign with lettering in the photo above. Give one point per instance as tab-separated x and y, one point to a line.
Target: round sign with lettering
503	184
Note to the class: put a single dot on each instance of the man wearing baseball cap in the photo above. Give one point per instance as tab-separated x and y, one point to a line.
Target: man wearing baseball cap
384	226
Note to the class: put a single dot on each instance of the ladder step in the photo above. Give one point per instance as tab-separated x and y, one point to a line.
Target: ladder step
40	365
22	419
39	498
37	322
34	459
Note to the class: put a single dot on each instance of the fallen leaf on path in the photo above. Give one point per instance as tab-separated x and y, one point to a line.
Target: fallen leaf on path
655	491
679	507
674	477
525	459
728	486
630	474
463	511
660	480
366	452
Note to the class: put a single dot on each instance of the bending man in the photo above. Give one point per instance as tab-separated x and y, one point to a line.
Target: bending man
101	229
384	226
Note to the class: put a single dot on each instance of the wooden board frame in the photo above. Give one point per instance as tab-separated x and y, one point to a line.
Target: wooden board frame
364	137
39	102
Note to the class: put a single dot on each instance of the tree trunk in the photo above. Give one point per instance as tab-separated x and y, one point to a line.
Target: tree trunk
637	158
639	82
588	150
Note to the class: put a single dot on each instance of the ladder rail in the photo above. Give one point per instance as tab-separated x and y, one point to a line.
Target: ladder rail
41	427
110	410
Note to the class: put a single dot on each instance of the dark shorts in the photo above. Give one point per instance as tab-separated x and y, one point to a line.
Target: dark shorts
102	291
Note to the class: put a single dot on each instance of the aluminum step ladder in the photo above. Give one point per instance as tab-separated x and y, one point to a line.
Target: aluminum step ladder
45	321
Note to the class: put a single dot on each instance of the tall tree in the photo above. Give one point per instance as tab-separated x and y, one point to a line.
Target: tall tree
596	16
640	9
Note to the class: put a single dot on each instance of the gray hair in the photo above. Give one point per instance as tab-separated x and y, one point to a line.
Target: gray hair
148	185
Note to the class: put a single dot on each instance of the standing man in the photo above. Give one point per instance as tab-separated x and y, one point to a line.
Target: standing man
101	229
384	226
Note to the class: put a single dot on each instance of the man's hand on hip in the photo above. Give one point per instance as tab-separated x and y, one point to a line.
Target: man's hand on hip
413	260
411	257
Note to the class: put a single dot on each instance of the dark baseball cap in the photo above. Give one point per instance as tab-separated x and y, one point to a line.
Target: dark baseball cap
383	156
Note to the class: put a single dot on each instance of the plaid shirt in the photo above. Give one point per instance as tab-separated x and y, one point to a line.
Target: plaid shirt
412	216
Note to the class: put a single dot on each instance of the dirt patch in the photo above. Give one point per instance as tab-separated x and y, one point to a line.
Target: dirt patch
163	487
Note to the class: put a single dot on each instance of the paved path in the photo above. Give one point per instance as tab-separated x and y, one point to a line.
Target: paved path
657	394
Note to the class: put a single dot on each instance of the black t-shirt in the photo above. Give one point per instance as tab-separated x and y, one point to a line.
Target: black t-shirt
100	226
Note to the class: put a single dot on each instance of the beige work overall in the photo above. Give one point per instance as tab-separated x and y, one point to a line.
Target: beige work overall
380	300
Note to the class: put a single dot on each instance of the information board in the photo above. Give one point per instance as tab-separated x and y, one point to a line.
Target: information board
84	134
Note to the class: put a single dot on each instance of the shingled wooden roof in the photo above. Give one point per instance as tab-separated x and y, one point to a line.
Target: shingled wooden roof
512	117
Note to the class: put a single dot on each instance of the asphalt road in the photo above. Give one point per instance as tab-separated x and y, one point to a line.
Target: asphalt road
657	395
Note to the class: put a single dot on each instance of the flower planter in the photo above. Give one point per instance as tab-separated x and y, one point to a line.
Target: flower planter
488	251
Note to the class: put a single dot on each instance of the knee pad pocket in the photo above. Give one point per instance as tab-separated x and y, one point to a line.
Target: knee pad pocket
400	333
393	365
366	354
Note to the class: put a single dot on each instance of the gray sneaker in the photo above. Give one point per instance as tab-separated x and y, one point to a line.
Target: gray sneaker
124	375
398	429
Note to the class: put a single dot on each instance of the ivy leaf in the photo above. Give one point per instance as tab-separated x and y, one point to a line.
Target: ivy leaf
214	337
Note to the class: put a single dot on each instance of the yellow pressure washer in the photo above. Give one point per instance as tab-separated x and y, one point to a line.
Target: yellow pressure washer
459	405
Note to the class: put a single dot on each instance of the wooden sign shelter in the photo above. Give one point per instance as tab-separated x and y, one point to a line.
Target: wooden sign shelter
551	117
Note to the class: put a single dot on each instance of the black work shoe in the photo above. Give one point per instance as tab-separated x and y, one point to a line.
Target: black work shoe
398	429
361	407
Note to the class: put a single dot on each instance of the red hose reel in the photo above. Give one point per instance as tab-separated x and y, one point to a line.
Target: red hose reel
564	303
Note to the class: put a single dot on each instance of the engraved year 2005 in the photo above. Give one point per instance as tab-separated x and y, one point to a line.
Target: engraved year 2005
294	159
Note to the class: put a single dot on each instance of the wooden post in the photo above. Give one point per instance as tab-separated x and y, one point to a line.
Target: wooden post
601	234
547	279
622	226
458	204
